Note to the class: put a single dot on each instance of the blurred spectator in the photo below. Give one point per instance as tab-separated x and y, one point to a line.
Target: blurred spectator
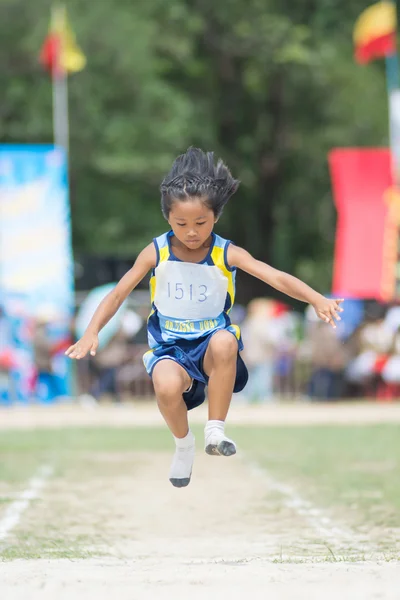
328	359
132	375
50	385
285	325
392	319
260	345
238	314
391	369
105	367
7	359
112	365
371	345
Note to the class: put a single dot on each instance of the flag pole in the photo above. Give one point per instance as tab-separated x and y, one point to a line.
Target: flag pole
393	85
393	91
60	89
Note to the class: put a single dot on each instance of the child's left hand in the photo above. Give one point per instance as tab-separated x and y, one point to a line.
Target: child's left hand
328	310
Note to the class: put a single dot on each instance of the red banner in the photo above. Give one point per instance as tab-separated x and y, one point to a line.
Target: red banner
367	233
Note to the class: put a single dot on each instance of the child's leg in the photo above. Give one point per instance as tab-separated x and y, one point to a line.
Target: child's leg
170	380
220	365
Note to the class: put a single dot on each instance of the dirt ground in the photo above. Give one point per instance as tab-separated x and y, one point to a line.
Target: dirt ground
233	533
171	579
146	413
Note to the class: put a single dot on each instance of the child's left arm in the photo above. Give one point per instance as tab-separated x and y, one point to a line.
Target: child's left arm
326	309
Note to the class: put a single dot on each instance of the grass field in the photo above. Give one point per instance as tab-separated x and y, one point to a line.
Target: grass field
294	495
352	472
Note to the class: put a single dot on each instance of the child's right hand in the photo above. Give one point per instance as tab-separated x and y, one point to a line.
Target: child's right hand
88	342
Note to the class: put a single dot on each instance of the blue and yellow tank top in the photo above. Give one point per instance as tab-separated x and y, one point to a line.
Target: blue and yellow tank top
189	300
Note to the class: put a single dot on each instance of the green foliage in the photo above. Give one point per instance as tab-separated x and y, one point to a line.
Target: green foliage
270	86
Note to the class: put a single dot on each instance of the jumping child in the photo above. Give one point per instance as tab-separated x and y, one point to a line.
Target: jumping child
193	343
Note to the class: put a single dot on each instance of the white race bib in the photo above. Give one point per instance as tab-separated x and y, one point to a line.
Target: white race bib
189	290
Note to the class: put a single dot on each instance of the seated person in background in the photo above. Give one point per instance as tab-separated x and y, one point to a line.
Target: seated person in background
328	358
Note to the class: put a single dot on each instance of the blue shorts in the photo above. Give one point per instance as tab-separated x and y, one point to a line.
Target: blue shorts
190	355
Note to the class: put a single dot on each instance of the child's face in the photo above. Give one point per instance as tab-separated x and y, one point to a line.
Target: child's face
192	222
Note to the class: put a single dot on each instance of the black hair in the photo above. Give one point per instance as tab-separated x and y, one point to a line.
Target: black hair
194	175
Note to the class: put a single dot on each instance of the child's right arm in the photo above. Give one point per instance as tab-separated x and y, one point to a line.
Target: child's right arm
111	303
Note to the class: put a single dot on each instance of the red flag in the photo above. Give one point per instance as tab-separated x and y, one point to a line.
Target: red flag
367	231
60	52
375	32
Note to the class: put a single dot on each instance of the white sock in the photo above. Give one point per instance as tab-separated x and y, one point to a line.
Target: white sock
182	462
216	429
214	434
186	441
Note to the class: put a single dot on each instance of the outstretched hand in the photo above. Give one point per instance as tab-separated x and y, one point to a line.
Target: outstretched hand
87	343
328	310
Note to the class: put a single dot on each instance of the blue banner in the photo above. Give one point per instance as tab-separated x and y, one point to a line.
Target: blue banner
36	270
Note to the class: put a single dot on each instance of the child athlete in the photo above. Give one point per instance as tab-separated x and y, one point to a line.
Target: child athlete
193	343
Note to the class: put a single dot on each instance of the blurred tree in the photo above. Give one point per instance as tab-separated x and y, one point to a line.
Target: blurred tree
270	85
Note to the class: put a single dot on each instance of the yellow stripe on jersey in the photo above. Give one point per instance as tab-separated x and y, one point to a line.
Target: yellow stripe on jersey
217	256
237	330
164	253
152	288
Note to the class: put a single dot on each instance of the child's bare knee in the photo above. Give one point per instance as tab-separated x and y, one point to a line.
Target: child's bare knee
168	387
224	346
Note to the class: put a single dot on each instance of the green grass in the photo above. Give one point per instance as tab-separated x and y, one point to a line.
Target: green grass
81	439
352	471
327	462
352	468
47	547
21	452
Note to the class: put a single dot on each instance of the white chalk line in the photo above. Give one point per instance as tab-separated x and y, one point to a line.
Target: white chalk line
14	511
322	524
